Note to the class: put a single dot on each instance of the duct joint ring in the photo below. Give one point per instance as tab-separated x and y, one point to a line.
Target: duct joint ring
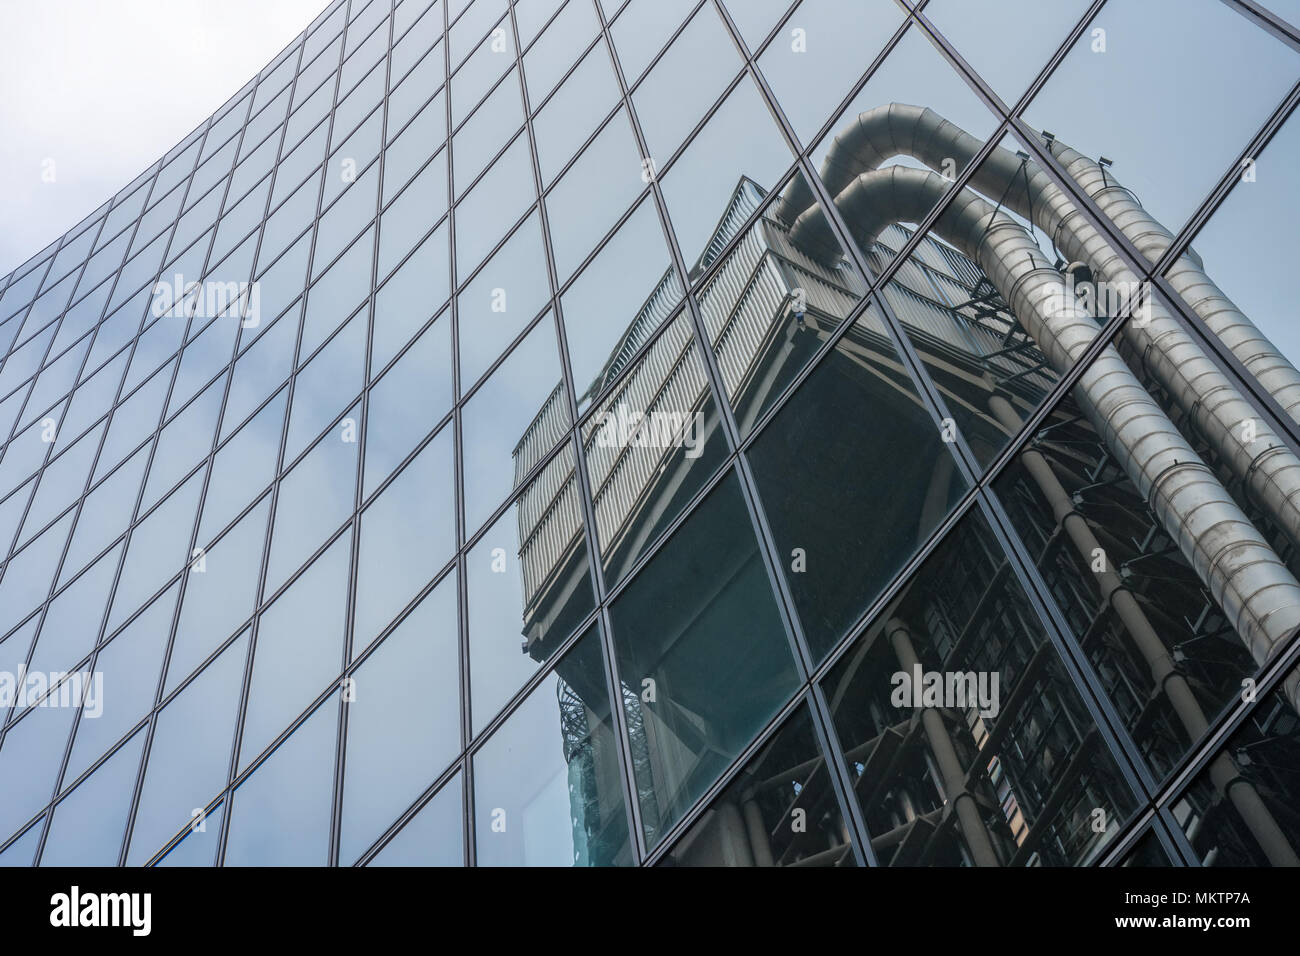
1159	477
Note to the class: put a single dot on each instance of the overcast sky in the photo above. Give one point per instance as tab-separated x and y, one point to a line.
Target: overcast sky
105	87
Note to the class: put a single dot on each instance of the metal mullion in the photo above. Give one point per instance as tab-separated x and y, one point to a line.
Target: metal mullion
246	681
1228	182
1174	839
458	482
582	483
842	780
1267	20
354	561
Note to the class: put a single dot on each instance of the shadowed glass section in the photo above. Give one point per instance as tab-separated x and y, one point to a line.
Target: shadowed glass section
967	741
547	785
699	616
779	811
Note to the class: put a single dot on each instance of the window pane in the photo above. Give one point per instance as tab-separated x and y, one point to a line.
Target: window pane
528	587
840	548
547	787
1008	768
698	631
780	811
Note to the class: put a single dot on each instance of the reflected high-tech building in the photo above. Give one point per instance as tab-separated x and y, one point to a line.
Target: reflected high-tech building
839	354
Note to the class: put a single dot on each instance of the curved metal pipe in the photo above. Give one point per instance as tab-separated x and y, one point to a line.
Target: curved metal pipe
1266	466
1256	591
1252	348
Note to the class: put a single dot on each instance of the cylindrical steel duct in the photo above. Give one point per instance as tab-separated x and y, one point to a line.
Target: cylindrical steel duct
1252	348
1246	578
1254	453
1164	672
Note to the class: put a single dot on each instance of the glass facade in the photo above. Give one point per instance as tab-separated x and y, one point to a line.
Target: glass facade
719	432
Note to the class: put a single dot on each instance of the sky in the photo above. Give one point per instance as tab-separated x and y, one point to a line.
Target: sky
96	90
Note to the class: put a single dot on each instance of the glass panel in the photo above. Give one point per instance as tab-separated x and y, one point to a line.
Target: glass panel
29	763
552	55
298	648
130	664
243	467
403	720
574	112
336	294
407	220
651	446
315	498
591	196
434	837
1246	261
740	149
159	547
984	31
781	810
280	815
1207	123
528	587
1240	810
1007	767
511	288
220	593
415	144
642	29
334	376
406	401
28	574
543	801
414	293
407	534
71	626
486	131
88	824
618	301
820	52
512	421
105	514
702	655
682	86
495	203
190	754
839	549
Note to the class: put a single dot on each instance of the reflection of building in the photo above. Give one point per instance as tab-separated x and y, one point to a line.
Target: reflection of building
722	484
1025	788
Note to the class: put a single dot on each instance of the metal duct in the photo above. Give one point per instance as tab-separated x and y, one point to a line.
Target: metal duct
1187	275
1266	466
1255	590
